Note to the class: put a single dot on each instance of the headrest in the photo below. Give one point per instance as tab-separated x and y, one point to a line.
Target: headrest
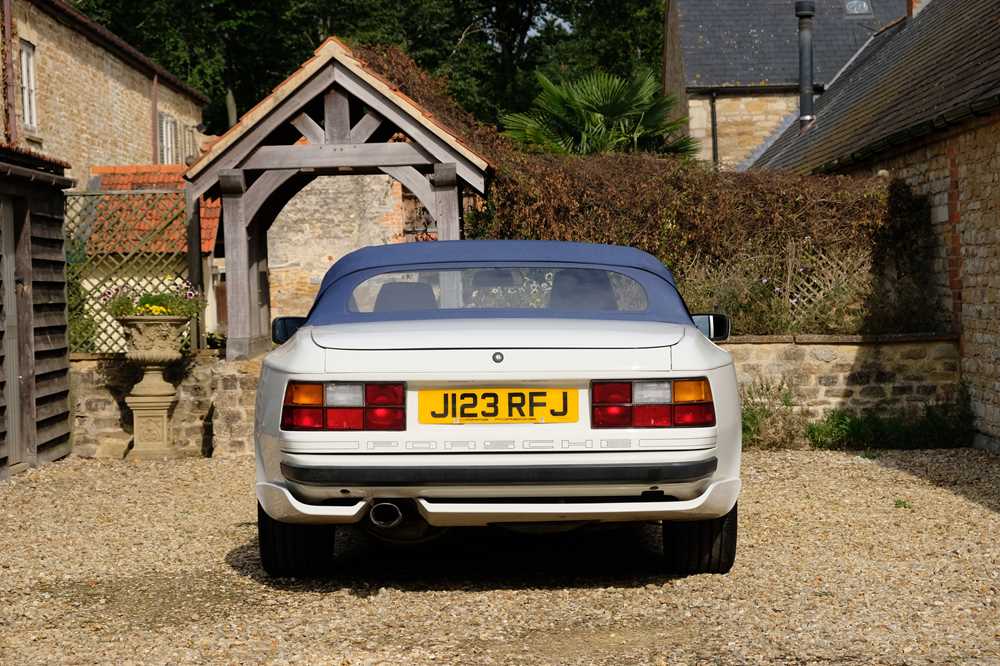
582	289
401	296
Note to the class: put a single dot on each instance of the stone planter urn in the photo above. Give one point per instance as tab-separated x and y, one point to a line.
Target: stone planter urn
153	343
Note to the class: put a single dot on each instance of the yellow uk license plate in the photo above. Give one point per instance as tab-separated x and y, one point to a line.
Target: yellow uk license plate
499	405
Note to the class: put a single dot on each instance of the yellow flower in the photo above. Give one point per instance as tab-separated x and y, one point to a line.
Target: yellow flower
147	309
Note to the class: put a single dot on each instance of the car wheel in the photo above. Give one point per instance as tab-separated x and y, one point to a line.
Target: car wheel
701	546
288	549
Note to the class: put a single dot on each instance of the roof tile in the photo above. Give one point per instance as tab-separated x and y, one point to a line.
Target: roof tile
131	177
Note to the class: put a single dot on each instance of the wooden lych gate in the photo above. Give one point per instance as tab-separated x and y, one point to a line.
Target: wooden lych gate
332	117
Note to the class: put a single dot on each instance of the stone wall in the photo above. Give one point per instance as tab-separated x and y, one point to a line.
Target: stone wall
102	422
959	173
215	410
235	385
93	107
327	219
856	373
744	123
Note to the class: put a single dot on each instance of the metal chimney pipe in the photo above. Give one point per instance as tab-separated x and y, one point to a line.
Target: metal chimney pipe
806	10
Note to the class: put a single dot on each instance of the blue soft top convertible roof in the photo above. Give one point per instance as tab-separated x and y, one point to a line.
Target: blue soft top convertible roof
437	252
332	304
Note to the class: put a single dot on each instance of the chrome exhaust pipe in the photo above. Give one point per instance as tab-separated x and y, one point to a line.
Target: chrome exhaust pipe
385	515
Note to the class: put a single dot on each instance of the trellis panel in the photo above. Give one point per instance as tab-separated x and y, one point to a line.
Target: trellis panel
120	239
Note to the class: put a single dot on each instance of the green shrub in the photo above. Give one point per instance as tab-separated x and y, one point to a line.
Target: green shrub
770	417
943	426
176	299
81	326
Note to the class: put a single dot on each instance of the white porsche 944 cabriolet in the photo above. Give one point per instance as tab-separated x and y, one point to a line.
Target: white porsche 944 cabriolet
514	383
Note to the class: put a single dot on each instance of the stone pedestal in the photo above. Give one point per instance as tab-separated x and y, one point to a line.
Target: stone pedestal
151	427
153	343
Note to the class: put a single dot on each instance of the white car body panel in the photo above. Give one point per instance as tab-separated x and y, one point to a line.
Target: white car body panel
440	353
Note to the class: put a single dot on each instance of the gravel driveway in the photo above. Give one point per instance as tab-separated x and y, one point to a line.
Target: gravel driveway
841	558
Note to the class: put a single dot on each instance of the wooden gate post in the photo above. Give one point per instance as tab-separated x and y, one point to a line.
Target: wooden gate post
445	188
196	277
239	331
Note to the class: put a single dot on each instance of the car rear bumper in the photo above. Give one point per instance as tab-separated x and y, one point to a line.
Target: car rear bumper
503	475
715	499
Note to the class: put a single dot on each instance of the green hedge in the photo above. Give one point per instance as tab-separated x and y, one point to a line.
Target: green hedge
780	253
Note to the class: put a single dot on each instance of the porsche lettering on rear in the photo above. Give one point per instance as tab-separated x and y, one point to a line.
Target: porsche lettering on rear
471	383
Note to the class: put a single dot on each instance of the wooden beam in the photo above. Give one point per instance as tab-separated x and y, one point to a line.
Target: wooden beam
262	189
367	155
415	182
445	188
365	127
238	305
427	140
195	276
337	115
283	112
309	128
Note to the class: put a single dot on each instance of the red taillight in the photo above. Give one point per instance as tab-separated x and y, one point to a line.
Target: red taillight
345	418
383	394
652	416
385	418
342	406
654	403
612	416
302	418
610	393
700	414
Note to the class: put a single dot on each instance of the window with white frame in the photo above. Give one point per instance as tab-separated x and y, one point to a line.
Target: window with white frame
190	144
168	139
29	98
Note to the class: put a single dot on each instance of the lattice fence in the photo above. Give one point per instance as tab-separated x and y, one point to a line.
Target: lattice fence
135	239
821	284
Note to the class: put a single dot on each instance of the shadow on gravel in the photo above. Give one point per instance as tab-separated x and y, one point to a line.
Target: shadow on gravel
478	559
971	473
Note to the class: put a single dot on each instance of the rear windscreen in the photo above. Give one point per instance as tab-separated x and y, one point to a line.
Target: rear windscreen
554	289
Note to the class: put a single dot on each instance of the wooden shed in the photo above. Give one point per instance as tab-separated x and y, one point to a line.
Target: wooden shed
34	359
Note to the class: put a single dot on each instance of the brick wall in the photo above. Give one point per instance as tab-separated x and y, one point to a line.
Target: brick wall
960	176
329	218
93	108
744	123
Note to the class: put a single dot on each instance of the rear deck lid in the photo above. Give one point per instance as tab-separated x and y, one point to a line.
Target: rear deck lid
498	334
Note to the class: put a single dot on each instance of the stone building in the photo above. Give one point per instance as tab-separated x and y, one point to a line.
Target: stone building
75	91
739	63
327	219
918	104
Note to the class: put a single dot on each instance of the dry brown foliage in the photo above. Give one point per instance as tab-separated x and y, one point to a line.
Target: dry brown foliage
753	227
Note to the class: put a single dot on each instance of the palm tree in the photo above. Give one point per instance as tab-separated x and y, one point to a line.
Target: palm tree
601	113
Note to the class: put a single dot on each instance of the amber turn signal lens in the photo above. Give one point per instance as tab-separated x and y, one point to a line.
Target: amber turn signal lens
299	393
692	390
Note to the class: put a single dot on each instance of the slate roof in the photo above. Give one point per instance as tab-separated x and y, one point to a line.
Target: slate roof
729	43
921	75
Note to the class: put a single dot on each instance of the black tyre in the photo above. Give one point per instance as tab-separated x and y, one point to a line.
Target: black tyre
702	546
288	549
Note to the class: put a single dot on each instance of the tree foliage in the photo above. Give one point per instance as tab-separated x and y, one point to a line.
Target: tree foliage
601	113
488	52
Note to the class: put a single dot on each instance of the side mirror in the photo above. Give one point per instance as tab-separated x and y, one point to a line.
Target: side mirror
283	328
715	327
